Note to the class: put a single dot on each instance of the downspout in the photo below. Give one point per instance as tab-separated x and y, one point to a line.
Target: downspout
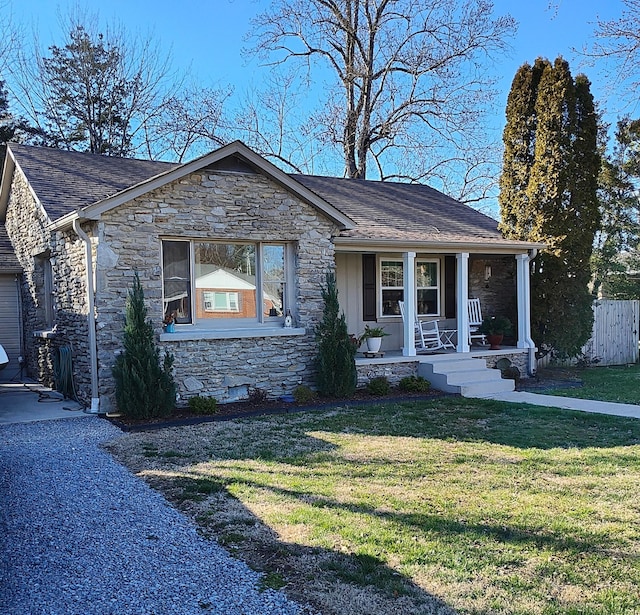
533	362
91	319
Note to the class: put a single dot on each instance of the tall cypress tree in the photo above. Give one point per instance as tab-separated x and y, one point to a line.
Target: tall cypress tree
549	193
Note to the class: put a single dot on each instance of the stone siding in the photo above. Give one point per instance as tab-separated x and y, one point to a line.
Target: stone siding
26	224
392	371
26	227
519	360
213	205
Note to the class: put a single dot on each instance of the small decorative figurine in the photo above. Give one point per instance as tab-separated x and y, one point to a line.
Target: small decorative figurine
288	320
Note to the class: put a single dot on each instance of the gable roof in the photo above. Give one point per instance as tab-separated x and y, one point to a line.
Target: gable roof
73	185
65	181
8	260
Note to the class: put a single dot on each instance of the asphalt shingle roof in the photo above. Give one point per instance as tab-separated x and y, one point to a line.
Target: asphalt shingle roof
65	181
8	258
398	211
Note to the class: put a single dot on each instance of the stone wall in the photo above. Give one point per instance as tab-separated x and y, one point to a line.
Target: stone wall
213	205
66	325
72	309
26	227
519	360
392	371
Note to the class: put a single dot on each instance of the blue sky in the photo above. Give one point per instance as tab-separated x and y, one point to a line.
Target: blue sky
208	35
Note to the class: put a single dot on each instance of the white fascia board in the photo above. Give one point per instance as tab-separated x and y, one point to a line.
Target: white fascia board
348	244
95	210
7	175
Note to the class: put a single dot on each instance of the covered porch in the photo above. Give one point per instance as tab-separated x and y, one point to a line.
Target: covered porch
435	282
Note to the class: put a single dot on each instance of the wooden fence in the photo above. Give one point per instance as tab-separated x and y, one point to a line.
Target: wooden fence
614	340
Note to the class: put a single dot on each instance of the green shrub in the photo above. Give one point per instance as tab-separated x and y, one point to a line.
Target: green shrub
144	386
304	395
379	386
336	362
203	405
414	384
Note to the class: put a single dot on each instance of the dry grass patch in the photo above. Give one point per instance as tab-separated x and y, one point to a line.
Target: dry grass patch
423	507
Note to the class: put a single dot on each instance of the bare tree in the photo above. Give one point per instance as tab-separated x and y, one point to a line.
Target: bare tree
617	42
408	80
190	123
272	122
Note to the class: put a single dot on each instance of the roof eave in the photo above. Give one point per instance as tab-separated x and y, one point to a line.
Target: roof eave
352	244
8	168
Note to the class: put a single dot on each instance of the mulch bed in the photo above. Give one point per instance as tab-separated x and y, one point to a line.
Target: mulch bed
246	409
551	379
545	380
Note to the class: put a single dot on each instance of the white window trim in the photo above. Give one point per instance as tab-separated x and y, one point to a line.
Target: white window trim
418	260
436	287
218	326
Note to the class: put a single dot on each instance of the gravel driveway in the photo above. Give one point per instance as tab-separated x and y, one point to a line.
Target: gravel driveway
79	534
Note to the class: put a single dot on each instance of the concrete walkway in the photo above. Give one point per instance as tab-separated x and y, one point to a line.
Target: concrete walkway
29	402
569	403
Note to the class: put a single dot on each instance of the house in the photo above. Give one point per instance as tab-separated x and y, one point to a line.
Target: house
228	243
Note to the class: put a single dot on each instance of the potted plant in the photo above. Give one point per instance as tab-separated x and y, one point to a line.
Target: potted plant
169	322
373	336
495	328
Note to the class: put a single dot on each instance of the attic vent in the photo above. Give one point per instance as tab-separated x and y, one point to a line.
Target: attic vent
234	164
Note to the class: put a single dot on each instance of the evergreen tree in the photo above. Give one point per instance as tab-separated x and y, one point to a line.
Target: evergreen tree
144	388
336	351
616	250
549	193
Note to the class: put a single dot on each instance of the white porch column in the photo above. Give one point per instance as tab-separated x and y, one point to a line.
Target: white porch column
462	301
409	281
524	309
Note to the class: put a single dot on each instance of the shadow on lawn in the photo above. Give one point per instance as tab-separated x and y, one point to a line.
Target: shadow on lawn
331	581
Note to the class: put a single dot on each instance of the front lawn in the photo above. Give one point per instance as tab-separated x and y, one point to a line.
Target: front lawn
422	507
618	384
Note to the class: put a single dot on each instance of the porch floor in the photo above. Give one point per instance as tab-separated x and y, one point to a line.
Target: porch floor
396	356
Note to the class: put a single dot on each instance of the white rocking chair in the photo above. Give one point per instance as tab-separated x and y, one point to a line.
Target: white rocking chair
427	334
475	320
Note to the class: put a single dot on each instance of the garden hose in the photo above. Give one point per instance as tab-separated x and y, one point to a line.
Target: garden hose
63	373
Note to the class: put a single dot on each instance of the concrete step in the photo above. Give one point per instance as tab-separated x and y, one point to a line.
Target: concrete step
486	389
466	376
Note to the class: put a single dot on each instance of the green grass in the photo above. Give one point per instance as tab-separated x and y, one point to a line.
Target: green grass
483	506
617	384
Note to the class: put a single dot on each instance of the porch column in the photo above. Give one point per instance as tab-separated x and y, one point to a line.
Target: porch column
462	300
409	281
524	309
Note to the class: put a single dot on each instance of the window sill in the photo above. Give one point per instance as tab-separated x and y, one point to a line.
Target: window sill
227	334
45	334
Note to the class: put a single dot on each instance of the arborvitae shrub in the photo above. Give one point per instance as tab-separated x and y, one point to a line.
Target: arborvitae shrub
336	351
144	386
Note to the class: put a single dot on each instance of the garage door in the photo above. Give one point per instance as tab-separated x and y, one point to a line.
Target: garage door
10	329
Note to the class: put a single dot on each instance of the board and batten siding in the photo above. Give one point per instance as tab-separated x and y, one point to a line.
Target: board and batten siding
614	340
10	332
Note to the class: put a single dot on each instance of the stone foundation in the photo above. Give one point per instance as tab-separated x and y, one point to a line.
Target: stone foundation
393	371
